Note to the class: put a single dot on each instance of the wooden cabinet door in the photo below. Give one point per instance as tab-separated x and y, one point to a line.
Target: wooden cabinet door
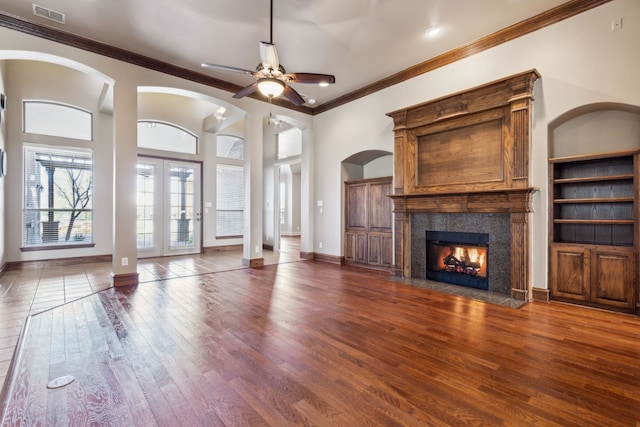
369	220
570	275
613	277
357	207
379	206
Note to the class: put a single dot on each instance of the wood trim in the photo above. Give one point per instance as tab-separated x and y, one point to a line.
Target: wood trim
129	279
253	262
540	294
495	201
209	249
549	17
26	265
332	259
306	255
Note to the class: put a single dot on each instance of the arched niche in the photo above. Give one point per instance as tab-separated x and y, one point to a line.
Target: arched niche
595	128
368	164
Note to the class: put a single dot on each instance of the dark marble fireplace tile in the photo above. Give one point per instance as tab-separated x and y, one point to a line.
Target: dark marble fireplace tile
498	226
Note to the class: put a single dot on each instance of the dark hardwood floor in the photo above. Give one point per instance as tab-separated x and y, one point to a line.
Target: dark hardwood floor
43	286
310	343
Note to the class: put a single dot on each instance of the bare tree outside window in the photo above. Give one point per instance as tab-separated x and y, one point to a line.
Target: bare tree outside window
76	192
58	196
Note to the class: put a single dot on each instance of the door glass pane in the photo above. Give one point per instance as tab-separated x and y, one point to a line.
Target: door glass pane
181	208
145	237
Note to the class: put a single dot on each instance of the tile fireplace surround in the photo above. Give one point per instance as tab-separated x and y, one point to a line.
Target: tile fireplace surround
467	154
495	225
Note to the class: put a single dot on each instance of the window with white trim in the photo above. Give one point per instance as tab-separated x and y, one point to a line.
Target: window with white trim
58	196
56	119
166	137
229	186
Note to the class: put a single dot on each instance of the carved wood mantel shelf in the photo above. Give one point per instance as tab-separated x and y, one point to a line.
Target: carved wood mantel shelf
467	152
497	201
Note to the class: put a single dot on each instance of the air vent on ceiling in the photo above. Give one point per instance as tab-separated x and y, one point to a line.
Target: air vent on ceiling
48	13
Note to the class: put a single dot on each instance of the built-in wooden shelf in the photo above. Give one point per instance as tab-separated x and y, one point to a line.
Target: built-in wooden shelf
628	176
596	200
594	221
593	242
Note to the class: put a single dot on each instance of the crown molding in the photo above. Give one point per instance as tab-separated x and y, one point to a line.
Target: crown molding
62	37
522	28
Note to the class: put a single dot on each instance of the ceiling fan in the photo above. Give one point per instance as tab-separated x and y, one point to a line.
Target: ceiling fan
271	78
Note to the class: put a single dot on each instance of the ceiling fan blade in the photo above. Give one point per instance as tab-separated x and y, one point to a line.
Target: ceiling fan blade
227	68
311	78
291	95
269	55
248	90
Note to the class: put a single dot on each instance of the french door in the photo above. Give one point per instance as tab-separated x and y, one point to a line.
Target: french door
168	214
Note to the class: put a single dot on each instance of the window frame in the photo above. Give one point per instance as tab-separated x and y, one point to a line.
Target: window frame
234	163
62	105
154	123
50	211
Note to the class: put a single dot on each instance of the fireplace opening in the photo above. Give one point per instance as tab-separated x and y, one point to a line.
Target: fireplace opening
458	258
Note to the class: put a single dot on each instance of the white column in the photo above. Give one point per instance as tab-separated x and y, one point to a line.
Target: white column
125	153
307	194
253	153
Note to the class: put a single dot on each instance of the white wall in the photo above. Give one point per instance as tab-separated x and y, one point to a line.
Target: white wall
580	60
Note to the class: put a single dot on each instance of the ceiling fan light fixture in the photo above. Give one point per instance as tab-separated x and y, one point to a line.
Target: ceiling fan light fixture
270	87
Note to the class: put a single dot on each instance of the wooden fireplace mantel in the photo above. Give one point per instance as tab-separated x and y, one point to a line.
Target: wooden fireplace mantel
467	152
495	201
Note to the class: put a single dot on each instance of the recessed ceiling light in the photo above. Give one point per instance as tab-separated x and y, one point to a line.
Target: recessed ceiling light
432	31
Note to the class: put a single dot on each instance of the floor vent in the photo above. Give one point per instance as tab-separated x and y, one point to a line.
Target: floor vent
48	13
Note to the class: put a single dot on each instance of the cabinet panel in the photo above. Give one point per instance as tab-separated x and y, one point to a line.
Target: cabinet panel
362	254
380	206
613	273
350	247
386	250
357	206
374	249
570	273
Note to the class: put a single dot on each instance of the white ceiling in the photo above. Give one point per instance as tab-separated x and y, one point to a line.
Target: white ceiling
359	41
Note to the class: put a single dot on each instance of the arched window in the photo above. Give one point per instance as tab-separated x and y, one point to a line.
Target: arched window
58	179
166	137
56	119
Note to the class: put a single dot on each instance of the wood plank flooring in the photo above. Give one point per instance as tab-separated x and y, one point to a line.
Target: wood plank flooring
37	289
311	343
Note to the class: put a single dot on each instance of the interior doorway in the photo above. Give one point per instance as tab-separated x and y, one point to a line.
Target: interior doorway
168	207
